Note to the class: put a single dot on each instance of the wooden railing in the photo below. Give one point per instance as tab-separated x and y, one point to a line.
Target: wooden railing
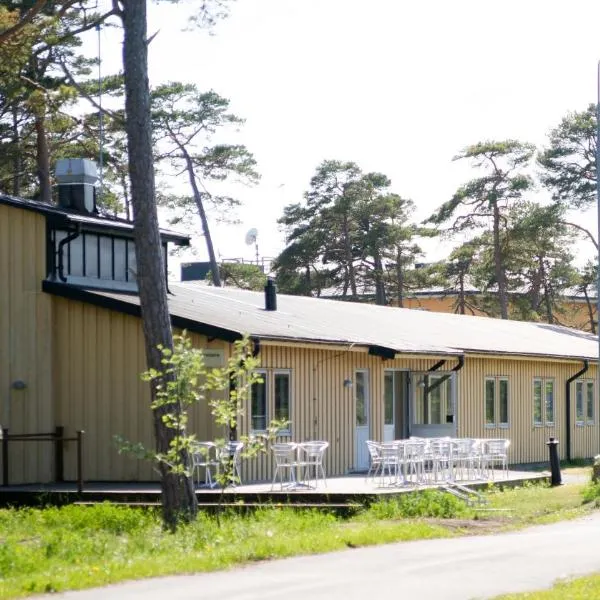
58	439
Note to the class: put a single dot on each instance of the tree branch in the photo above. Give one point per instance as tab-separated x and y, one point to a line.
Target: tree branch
23	21
582	229
72	81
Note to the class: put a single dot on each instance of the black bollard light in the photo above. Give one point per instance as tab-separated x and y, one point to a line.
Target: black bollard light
556	479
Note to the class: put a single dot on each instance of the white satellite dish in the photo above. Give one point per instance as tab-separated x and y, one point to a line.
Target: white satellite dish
251	238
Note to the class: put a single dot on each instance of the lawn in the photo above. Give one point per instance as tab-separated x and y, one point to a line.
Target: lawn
55	549
582	588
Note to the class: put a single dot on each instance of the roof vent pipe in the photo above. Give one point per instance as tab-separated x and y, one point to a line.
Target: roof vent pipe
270	295
76	180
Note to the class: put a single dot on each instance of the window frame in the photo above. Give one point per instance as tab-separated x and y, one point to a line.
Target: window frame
264	374
585	385
497	408
288	373
544	381
268	376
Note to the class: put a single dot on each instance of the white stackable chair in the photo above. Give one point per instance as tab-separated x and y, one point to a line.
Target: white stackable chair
232	452
495	452
286	459
440	451
311	457
415	454
375	456
466	459
204	456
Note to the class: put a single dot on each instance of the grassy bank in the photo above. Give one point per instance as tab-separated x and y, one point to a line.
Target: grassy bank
55	549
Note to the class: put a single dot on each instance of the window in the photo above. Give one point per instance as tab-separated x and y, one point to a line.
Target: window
362	398
258	404
584	402
433	398
282	397
496	401
271	399
543	401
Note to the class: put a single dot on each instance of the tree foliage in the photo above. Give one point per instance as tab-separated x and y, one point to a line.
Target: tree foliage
569	162
351	233
482	203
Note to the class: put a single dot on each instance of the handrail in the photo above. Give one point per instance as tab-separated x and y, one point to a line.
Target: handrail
58	438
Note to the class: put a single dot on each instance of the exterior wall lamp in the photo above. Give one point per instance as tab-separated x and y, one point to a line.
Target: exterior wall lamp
347	383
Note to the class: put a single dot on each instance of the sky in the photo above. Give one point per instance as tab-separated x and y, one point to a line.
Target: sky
398	87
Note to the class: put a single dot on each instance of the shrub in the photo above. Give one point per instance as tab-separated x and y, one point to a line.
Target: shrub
428	503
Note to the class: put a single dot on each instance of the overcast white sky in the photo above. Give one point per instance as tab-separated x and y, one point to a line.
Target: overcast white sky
396	86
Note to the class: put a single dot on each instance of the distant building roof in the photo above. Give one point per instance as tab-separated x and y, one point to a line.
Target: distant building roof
227	313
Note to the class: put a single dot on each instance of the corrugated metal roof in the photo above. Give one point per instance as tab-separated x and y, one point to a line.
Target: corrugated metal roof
300	318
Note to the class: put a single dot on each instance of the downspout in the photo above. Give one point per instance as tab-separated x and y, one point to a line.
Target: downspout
61	245
458	367
571	379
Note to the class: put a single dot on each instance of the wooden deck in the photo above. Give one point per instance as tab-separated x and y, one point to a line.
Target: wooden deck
339	492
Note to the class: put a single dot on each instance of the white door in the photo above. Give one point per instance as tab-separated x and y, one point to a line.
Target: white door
389	407
361	428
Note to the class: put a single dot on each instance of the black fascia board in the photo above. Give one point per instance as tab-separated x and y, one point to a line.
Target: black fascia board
72	292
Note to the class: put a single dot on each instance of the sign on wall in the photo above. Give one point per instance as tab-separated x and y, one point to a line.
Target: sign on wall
213	357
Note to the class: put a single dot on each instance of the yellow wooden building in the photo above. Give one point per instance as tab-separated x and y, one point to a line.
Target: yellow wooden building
71	354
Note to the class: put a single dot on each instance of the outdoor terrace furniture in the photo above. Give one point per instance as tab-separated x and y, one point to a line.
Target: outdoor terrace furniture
232	451
440	455
466	459
374	449
298	464
204	456
311	456
419	461
494	452
287	465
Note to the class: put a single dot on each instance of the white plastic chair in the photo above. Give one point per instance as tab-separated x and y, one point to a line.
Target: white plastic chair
415	454
390	463
232	452
311	457
286	459
441	459
495	452
375	455
466	459
204	456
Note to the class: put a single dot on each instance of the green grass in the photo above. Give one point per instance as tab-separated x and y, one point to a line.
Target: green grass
582	588
73	547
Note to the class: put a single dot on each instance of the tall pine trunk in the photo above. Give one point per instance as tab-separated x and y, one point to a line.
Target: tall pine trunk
178	497
214	265
43	159
499	265
16	140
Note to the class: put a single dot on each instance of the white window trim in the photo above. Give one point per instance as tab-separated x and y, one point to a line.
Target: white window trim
496	379
288	430
544	380
585	383
264	373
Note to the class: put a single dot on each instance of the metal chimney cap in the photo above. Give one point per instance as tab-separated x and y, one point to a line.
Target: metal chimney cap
76	170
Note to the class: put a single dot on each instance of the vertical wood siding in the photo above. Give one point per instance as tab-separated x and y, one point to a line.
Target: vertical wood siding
25	343
98	389
528	441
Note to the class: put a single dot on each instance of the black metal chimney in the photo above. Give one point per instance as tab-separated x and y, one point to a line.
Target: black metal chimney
270	295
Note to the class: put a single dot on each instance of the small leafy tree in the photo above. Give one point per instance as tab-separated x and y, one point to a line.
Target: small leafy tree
184	381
